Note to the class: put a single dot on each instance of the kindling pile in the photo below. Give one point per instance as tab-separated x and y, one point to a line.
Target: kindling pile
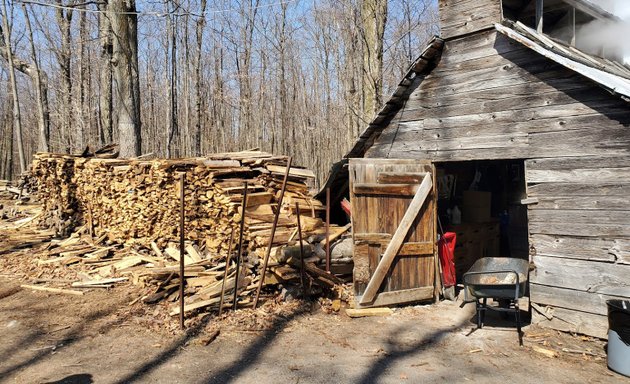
132	207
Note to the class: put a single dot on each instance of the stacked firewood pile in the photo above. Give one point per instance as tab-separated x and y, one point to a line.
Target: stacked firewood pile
124	217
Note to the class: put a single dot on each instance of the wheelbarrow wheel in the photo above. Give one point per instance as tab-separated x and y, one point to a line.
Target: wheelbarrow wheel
449	293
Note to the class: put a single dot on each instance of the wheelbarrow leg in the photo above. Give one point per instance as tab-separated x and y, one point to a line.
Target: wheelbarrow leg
481	312
518	324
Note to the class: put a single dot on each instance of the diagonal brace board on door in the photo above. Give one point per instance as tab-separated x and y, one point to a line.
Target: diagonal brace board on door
397	240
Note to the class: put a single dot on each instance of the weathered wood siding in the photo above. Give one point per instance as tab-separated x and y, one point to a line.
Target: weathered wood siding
459	17
580	237
490	98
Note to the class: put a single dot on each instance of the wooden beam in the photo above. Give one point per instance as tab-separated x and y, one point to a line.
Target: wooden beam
394	246
385	189
400	177
400	297
416	248
371	238
368	312
53	290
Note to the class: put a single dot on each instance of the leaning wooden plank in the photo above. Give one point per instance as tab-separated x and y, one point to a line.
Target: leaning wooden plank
156	249
293	172
399	236
174	253
100	282
192	252
573	321
364	312
336	233
51	289
193	306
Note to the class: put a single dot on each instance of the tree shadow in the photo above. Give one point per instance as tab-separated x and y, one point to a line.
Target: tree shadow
255	351
81	378
69	338
229	373
167	354
395	352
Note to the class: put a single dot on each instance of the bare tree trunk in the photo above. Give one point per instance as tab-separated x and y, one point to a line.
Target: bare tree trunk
82	128
243	63
201	21
41	91
125	61
172	144
105	77
6	169
64	21
373	19
17	120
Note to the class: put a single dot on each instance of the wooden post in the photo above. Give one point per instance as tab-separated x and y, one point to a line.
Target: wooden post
225	273
273	232
240	244
181	250
327	229
299	227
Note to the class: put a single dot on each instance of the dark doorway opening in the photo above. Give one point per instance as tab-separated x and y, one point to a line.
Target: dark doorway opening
481	202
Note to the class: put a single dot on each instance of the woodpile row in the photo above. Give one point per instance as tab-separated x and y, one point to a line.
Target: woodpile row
127	215
136	201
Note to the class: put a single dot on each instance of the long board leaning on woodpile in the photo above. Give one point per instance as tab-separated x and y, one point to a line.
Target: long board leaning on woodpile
128	214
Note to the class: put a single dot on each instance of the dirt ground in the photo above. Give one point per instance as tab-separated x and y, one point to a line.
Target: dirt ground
100	338
109	336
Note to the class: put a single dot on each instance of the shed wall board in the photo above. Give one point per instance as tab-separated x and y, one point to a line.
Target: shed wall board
459	17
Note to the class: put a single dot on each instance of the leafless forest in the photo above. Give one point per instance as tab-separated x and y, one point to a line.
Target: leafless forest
188	77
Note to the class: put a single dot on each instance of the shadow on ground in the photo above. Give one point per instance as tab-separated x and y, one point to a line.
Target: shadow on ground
70	337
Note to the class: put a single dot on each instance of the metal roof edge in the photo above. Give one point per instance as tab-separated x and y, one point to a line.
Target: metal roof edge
613	83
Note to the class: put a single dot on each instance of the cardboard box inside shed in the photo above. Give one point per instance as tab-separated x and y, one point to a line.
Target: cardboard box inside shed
476	207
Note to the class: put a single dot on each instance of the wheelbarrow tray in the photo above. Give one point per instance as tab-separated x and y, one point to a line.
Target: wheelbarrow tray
496	277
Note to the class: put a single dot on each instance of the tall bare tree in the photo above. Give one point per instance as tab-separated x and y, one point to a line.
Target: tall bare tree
41	89
64	59
106	134
373	19
17	118
201	22
123	18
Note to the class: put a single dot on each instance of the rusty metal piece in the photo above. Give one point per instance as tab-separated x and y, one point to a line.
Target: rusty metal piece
181	250
273	232
328	230
225	273
299	225
240	244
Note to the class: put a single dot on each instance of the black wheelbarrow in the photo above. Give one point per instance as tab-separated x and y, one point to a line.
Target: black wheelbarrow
503	279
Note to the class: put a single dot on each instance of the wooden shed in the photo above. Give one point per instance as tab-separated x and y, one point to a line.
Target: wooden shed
527	135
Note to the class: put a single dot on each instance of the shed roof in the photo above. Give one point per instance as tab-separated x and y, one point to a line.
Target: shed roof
609	74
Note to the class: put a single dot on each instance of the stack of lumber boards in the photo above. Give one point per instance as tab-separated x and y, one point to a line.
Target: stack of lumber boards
138	200
123	215
103	264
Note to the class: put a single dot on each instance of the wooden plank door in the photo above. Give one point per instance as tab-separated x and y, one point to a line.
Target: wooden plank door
394	230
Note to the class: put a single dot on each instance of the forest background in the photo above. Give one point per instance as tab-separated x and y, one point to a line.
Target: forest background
181	78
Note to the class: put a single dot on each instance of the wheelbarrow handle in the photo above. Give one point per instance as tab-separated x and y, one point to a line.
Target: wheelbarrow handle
474	273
